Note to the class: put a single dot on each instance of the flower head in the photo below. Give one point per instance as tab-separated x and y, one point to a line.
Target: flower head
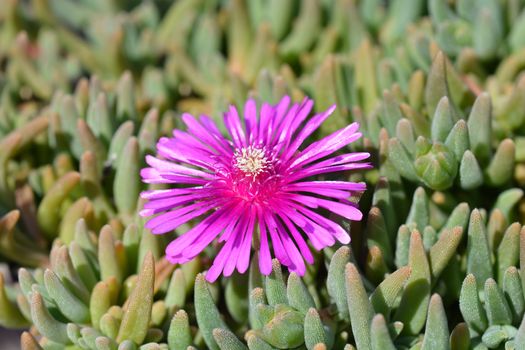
258	180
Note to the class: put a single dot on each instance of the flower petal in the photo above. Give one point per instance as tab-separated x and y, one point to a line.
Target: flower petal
265	259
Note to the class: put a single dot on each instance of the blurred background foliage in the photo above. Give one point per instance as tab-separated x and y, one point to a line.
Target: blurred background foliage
88	86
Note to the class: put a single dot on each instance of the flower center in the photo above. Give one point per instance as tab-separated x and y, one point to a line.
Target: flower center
251	160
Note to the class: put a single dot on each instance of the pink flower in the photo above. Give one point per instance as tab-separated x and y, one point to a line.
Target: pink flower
257	181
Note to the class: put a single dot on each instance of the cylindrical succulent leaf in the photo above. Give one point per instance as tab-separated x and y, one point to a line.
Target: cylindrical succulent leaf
470	305
359	307
137	314
207	314
436	330
380	335
414	301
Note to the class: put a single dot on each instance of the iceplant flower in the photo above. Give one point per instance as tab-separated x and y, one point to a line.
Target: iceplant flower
257	180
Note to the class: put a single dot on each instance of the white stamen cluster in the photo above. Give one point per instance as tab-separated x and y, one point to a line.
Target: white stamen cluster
250	160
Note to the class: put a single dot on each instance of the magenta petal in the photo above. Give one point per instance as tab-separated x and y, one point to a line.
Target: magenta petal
305	225
164	166
177	246
340	185
229	267
175	201
213	273
327	192
270	118
318	235
309	128
265	259
215	143
171	220
328	145
234	126
301	243
280	110
339	233
347	211
250	117
344	159
291	122
151	175
238	237
219	262
212	231
230	229
177	151
278	134
146	212
304	110
294	255
158	194
328	169
244	254
210	125
278	247
265	127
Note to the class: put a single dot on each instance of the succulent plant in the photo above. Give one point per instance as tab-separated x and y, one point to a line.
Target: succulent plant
463	147
94	297
88	87
79	159
397	301
281	315
102	290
